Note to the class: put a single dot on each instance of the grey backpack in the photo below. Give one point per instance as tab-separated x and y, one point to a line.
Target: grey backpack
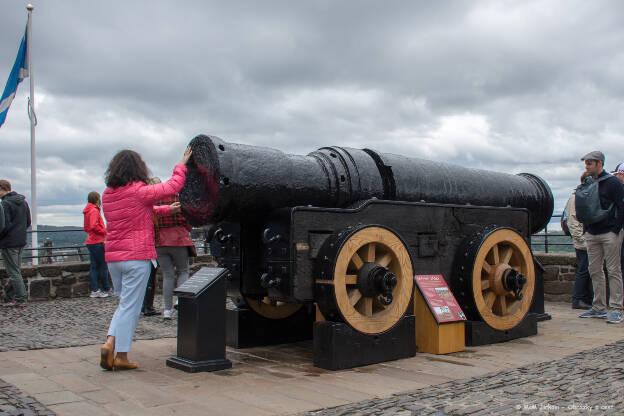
588	209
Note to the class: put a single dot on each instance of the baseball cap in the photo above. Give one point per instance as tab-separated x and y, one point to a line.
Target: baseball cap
619	168
595	155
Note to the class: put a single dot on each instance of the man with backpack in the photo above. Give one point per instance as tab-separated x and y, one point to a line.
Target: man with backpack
13	240
600	207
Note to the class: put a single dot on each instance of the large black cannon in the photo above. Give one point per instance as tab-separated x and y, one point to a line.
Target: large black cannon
347	229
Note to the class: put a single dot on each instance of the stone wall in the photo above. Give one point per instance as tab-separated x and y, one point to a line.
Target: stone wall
70	279
559	271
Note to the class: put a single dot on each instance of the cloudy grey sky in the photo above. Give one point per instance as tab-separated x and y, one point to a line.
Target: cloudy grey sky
515	86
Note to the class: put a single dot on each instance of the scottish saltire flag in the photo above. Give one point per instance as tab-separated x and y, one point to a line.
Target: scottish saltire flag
18	73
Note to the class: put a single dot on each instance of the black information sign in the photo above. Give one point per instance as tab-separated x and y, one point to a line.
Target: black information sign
200	281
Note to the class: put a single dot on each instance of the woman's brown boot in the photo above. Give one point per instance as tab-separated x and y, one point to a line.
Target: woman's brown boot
106	355
120	364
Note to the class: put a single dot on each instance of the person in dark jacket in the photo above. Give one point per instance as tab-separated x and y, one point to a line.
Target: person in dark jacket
604	243
13	240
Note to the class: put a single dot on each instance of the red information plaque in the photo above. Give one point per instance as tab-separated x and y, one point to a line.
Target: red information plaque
439	298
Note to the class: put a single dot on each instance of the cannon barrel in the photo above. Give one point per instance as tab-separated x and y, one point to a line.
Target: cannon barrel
229	181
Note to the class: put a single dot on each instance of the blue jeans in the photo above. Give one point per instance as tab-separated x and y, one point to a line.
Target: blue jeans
98	270
129	280
582	282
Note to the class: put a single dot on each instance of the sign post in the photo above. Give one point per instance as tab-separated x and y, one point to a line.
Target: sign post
440	320
201	322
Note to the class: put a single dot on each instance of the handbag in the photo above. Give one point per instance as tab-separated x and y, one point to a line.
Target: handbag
192	251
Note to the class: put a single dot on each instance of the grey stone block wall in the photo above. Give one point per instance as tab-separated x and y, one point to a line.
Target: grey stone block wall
559	271
70	279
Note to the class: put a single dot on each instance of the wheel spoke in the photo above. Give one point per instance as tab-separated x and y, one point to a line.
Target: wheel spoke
385	260
489	299
485	284
500	305
354	296
513	306
495	254
378	305
370	252
507	255
486	266
351	279
356	260
365	306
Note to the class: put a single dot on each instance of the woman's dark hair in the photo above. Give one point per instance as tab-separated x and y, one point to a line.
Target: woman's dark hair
93	197
126	167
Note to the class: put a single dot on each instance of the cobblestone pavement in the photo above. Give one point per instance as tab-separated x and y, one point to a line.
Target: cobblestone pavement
590	382
71	323
12	402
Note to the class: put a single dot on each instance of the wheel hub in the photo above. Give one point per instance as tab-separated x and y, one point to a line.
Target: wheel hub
514	281
376	280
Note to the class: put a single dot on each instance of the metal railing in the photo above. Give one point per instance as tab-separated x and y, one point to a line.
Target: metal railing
552	241
46	254
545	240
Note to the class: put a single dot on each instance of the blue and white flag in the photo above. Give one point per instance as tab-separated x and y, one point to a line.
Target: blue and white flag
18	73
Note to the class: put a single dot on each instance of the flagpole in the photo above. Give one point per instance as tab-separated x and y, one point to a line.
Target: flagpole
33	154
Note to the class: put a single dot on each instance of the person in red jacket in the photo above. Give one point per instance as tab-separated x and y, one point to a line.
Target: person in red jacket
96	235
128	204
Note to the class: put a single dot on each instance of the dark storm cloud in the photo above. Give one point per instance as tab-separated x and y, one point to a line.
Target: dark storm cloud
502	85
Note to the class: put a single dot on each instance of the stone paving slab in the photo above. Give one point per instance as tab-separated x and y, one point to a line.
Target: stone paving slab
536	373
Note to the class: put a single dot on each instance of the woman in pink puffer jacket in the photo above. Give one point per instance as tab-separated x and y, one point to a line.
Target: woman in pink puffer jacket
128	205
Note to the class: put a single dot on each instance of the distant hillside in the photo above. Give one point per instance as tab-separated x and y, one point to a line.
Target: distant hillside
60	236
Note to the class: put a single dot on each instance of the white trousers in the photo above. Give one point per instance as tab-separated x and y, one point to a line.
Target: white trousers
130	281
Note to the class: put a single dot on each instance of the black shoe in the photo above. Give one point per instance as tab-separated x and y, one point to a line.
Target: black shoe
150	312
579	304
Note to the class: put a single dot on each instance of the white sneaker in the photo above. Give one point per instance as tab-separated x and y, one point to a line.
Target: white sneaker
167	314
104	294
96	294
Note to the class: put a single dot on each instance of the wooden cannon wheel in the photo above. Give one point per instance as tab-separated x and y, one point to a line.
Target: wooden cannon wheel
272	309
501	251
367	314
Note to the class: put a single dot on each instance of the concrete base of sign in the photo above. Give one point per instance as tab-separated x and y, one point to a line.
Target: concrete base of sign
432	337
191	366
480	333
338	346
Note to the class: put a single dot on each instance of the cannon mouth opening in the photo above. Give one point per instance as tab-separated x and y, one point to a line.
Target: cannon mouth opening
199	194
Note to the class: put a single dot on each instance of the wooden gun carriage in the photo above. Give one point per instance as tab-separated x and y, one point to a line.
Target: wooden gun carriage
347	229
